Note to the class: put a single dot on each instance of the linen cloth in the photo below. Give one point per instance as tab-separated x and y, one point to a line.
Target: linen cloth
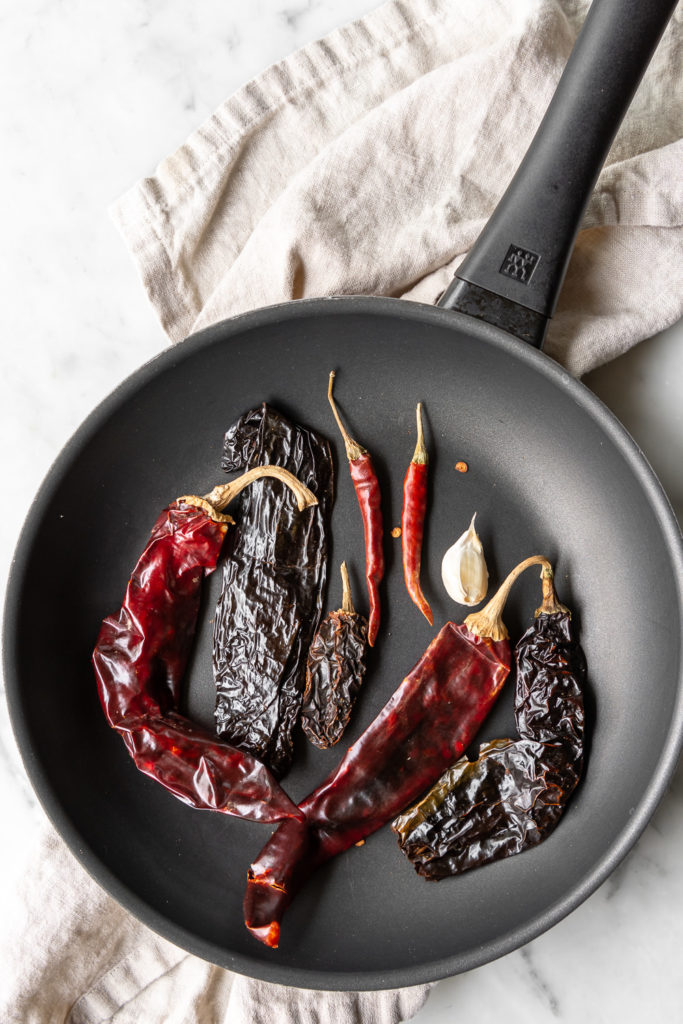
367	162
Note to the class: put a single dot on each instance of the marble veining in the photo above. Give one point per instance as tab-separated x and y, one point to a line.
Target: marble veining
95	95
543	989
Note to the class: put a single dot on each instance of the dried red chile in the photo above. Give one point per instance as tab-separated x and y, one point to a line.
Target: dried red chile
366	486
514	794
413	519
140	659
430	720
273	587
334	672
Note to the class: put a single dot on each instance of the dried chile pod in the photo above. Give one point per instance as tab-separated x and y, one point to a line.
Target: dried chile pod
142	652
480	811
334	672
514	794
366	486
429	721
551	673
413	520
273	587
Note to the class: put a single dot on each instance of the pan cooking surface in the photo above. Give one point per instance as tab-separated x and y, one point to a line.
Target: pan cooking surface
550	471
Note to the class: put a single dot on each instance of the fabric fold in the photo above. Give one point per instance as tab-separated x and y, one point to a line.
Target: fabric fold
368	162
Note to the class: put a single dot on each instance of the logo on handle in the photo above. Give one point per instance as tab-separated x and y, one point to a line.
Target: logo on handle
520	263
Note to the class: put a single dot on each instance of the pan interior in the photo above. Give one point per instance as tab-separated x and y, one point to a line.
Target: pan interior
546	475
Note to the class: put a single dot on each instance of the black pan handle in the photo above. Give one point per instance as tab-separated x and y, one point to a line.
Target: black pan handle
514	272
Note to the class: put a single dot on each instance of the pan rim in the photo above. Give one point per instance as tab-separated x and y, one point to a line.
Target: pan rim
53	805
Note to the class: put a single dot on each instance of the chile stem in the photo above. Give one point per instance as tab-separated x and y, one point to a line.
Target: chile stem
353	449
488	621
420	455
550	605
347	600
222	494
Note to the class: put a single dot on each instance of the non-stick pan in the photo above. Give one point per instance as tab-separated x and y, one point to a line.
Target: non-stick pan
551	471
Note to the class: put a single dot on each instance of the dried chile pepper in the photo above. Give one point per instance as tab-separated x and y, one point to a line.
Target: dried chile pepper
551	676
366	486
514	794
273	587
334	672
412	520
141	655
432	717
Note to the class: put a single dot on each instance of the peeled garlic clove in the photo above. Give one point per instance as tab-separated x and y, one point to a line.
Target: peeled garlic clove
463	569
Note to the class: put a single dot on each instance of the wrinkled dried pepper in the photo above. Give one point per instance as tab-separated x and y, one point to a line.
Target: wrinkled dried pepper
273	587
142	652
367	490
413	518
514	794
334	672
428	722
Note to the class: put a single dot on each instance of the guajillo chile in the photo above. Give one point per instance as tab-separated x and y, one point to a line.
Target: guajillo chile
413	518
142	652
426	725
366	485
514	794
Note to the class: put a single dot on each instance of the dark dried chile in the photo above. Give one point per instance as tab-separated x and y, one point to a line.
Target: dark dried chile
514	794
334	672
273	587
141	656
430	719
412	520
366	486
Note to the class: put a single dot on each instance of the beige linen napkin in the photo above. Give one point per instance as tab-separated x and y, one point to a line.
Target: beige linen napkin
71	955
367	162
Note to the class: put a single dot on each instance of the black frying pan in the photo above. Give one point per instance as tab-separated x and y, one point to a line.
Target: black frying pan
551	471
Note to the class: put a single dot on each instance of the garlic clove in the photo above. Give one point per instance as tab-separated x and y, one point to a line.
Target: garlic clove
463	569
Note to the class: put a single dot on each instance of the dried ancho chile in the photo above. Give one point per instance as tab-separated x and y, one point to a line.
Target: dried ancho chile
335	670
142	653
428	723
514	794
273	587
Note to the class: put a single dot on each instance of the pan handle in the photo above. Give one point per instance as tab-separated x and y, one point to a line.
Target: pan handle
514	272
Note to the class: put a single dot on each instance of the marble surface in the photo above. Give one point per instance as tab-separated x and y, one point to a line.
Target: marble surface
94	96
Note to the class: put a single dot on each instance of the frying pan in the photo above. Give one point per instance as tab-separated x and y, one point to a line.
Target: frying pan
551	471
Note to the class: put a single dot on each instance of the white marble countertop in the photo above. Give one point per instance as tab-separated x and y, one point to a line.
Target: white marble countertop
95	95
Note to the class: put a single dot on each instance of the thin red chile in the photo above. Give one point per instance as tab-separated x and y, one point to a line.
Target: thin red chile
413	520
366	485
367	490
